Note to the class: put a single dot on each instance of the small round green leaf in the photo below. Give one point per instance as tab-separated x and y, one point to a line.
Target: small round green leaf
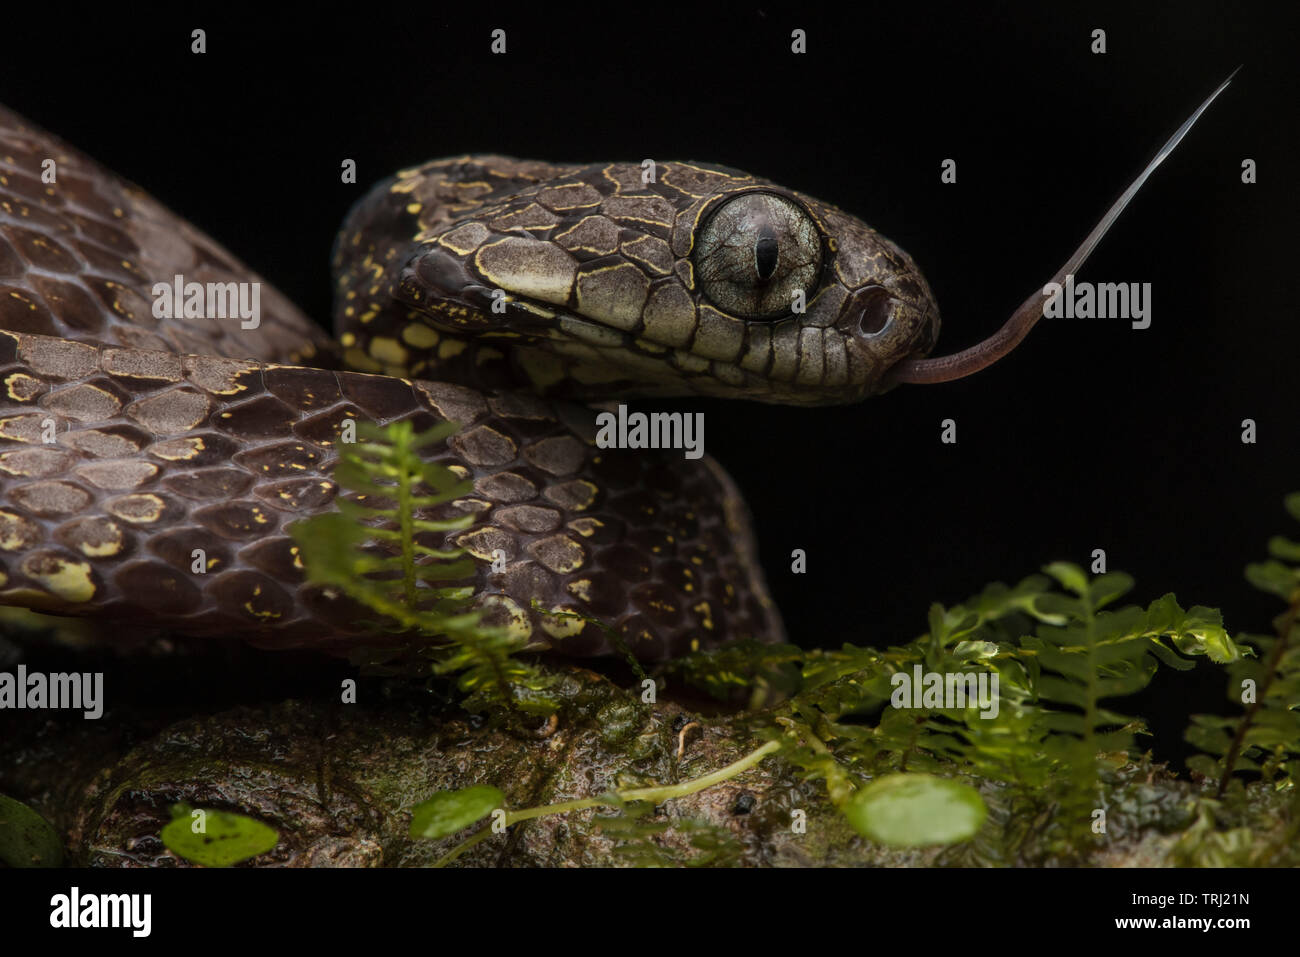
449	811
912	810
26	838
224	840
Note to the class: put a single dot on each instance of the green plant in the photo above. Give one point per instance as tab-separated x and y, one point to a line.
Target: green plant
26	838
216	838
386	547
454	810
1265	738
1010	694
1059	654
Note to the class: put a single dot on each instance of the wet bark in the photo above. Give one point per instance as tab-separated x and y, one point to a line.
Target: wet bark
268	736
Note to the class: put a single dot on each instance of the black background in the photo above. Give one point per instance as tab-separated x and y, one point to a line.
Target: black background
341	909
1091	435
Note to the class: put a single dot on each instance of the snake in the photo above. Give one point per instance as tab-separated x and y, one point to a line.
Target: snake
511	297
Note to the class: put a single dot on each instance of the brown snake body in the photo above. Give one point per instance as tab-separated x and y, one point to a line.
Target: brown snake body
486	291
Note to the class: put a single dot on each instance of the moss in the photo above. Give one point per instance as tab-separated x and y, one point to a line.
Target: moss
1055	764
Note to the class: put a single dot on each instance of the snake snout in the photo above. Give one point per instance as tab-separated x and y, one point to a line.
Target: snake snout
927	329
886	323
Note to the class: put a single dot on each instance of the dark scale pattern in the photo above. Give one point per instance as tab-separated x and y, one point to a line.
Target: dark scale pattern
106	518
79	258
129	442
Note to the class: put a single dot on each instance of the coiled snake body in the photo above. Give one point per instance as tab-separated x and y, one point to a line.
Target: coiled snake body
495	293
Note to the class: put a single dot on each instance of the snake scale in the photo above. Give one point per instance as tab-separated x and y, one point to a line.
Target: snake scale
499	294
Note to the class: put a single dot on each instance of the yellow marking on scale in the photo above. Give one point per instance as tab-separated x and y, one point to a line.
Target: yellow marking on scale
68	580
388	350
419	336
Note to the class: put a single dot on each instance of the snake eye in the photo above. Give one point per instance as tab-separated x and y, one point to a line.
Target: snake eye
754	252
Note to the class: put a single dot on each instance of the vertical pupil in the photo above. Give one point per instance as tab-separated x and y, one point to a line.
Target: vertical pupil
765	255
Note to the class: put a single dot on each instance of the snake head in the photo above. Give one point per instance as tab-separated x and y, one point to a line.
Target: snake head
684	279
652	279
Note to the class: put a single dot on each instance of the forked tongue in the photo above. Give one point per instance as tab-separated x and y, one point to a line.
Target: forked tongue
984	354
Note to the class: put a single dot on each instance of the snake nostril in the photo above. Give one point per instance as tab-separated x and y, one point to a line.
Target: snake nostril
877	310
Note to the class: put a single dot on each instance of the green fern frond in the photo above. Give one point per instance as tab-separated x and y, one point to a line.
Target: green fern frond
386	547
1265	739
1060	650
